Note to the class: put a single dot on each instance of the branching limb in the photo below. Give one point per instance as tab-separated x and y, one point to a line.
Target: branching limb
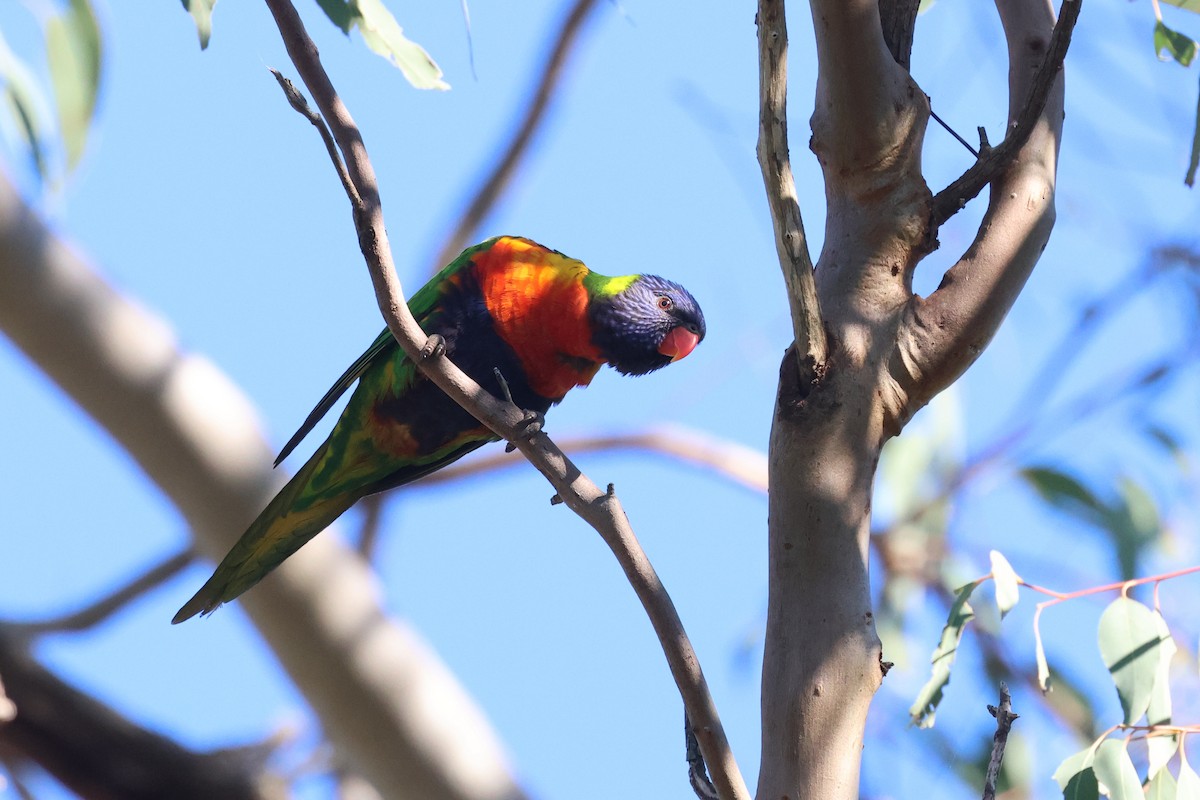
996	160
775	161
548	82
105	607
942	335
599	509
1004	720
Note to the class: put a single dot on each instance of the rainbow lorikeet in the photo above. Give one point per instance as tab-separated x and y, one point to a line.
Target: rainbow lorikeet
544	321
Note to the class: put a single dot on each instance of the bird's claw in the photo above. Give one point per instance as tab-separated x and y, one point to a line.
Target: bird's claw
434	346
531	422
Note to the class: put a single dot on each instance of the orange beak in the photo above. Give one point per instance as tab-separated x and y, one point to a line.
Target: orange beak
678	343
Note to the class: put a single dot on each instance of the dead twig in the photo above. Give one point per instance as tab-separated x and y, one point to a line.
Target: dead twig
1004	720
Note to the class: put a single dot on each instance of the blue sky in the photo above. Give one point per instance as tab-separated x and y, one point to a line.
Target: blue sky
207	199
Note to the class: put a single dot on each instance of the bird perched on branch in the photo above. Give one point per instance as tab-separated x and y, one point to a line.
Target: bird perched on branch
507	310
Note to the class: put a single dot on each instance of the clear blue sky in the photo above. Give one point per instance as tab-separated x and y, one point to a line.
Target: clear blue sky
210	201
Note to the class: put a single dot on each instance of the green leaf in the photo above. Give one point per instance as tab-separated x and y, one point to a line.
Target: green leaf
1189	783
384	35
1114	770
1194	160
28	105
1182	48
1076	777
1043	666
1065	492
1160	750
1134	525
1162	787
339	13
73	48
1130	644
201	11
1158	712
924	708
1007	583
1187	5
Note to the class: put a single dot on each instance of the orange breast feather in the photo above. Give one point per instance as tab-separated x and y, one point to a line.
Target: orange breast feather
539	305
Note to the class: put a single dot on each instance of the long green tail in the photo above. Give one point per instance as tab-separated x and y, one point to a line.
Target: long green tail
281	529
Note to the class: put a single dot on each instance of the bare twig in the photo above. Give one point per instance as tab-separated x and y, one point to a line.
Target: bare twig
548	81
599	509
730	460
1004	720
775	161
97	612
996	160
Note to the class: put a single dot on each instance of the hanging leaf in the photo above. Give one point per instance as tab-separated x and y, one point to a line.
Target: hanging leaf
1007	583
924	708
1187	5
1076	776
1188	785
1194	159
1114	770
1064	492
201	11
1162	787
339	13
1130	644
1043	666
73	48
28	105
1180	47
384	35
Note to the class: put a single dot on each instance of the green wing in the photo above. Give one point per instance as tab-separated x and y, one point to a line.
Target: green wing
423	305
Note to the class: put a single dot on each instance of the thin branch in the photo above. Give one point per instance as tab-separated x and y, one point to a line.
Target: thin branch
1004	720
998	159
599	509
91	615
943	334
791	244
730	460
548	82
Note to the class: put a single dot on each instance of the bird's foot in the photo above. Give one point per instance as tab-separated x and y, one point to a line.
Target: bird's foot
434	347
531	423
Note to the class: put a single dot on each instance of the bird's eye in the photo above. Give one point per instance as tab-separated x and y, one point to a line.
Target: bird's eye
665	303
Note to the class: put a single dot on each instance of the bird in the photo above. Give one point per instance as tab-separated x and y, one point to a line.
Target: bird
524	321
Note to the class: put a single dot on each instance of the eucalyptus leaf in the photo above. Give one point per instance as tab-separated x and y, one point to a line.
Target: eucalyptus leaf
1188	784
1179	46
339	13
384	35
24	98
1065	492
201	11
1043	666
74	50
1008	589
1158	712
1187	5
1162	787
924	708
1130	644
1194	159
1115	771
1076	777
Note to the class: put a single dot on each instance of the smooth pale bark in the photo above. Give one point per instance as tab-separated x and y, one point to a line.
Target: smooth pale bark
889	352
